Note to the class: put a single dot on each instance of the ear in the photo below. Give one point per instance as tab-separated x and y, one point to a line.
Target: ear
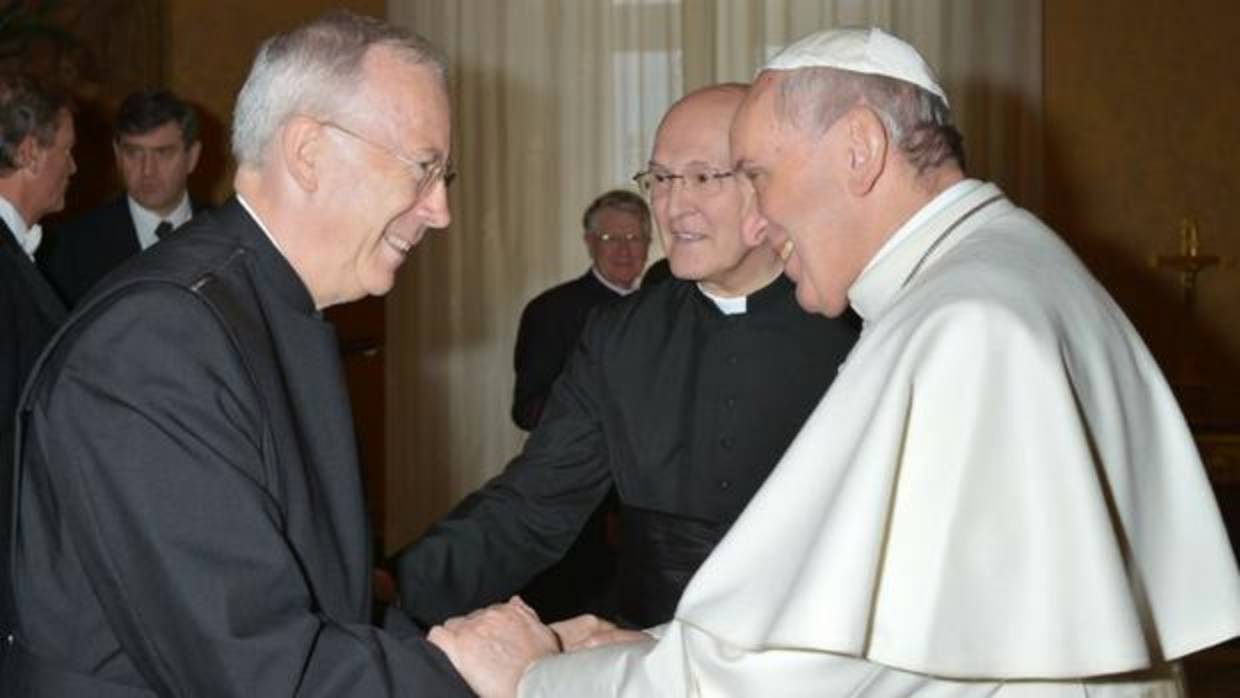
301	145
194	151
753	223
28	152
116	153
867	149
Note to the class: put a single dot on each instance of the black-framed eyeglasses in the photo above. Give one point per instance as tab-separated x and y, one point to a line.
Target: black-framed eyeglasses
700	181
425	174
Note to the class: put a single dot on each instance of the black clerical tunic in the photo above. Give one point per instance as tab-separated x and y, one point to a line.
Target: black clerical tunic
683	408
546	335
190	511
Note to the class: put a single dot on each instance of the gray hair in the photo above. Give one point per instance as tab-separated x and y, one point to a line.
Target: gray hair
918	122
315	69
28	107
617	200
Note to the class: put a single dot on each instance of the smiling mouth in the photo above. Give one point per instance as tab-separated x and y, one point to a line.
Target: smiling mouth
687	237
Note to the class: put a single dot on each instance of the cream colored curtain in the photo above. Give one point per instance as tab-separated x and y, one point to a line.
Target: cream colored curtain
556	101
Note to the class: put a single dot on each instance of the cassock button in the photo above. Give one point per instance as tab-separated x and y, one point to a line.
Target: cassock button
726	442
733	359
730	402
725	484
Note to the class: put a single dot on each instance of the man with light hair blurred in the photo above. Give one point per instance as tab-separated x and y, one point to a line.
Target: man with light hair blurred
190	519
998	496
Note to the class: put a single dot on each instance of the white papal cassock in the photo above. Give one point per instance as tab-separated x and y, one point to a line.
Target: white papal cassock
998	496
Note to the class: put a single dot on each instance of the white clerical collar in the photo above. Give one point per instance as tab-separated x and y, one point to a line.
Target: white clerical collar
618	289
28	237
241	200
737	305
145	220
912	243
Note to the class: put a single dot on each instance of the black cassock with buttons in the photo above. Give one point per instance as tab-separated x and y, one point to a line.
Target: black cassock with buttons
684	408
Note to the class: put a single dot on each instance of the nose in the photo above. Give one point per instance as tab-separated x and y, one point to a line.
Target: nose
676	198
433	208
148	164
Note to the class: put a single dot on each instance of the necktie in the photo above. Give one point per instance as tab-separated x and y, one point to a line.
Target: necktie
163	229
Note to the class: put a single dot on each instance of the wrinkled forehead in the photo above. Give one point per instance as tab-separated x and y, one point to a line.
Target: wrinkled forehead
408	99
65	132
167	133
755	119
614	218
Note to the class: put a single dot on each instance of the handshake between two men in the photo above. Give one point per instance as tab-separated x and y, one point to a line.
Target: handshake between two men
493	646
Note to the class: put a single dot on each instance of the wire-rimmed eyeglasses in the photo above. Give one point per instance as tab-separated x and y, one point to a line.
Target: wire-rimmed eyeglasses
425	174
699	181
622	238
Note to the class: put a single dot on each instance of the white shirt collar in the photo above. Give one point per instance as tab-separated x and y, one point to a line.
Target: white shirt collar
618	289
28	237
145	220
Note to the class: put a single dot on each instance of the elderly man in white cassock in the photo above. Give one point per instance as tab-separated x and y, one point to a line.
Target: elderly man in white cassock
998	496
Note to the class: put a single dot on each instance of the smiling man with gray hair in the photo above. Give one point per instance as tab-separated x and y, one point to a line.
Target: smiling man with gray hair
189	516
997	496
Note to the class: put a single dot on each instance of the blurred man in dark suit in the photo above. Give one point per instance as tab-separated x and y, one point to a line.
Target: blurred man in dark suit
156	146
36	161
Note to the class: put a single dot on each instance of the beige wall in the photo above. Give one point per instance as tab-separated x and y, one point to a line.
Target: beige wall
210	45
1142	102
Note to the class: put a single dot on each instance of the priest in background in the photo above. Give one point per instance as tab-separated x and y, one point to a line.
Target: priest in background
998	495
616	231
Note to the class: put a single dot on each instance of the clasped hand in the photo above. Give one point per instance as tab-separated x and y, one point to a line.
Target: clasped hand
493	646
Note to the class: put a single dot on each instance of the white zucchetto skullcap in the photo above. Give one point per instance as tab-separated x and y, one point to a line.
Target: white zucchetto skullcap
870	50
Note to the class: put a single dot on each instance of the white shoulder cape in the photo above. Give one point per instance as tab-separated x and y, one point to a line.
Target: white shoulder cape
999	484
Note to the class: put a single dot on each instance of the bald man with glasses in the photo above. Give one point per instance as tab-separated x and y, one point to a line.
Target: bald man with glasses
682	396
